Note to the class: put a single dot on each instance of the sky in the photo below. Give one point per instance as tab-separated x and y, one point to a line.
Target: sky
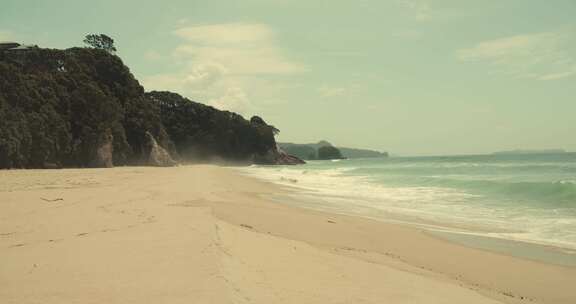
413	77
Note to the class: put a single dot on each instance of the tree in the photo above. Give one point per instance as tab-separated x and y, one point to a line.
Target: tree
258	121
101	41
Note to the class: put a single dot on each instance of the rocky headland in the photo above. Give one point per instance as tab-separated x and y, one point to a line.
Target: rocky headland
82	107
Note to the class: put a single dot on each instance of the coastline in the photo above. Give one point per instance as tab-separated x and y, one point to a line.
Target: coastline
506	200
207	233
466	235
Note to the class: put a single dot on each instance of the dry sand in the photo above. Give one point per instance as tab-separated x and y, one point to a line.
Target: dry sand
206	234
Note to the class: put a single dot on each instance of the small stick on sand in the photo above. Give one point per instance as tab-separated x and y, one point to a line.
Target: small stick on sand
51	200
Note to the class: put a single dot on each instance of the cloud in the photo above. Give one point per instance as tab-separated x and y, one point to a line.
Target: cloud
205	75
234	99
242	48
408	34
5	35
327	92
225	34
182	21
207	83
542	56
421	9
560	75
152	55
226	65
345	92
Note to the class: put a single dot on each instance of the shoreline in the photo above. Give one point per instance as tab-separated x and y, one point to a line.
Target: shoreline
474	276
467	236
133	234
328	196
540	253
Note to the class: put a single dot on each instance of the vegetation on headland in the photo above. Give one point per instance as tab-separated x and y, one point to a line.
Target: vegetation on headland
199	131
81	107
310	151
329	152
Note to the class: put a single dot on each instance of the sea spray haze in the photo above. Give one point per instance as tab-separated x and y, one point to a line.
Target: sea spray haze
521	197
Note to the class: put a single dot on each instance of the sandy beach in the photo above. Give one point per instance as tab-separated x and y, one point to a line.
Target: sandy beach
207	234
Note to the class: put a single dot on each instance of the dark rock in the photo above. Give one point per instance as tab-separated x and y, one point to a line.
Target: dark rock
277	156
287	159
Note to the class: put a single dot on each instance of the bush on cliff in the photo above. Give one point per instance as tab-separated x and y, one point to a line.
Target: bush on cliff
101	41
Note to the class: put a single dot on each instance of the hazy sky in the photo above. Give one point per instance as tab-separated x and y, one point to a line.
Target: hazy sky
408	76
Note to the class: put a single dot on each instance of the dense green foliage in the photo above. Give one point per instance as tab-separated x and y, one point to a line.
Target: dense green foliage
101	41
329	152
66	108
309	151
57	106
201	132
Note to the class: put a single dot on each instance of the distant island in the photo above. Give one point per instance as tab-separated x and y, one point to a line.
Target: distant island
530	152
313	151
82	107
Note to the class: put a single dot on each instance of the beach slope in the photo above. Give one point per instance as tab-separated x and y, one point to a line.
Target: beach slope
197	234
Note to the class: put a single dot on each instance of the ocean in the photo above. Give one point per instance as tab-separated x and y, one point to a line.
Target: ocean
527	198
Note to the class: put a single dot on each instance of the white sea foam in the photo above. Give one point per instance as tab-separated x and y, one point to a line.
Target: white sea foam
335	189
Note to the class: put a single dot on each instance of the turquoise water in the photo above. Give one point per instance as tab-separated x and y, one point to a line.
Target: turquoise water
530	198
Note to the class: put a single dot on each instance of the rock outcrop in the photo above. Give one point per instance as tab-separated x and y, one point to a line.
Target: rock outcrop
287	159
157	156
103	156
277	156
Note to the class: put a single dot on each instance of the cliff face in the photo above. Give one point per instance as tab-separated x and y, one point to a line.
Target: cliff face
83	108
203	133
72	108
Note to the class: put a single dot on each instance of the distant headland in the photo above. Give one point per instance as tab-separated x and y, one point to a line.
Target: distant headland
314	151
